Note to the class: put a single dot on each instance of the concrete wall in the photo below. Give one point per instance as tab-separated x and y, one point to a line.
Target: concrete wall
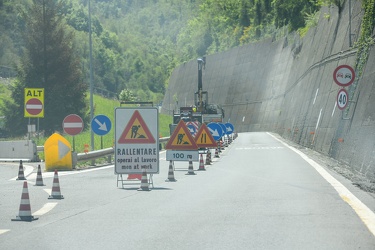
286	86
18	150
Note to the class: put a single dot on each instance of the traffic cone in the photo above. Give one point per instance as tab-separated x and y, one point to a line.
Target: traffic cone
39	178
24	213
201	164
216	153
21	175
56	194
170	172
191	169
208	157
144	182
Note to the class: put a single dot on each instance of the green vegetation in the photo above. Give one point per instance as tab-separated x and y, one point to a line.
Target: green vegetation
365	40
105	107
136	44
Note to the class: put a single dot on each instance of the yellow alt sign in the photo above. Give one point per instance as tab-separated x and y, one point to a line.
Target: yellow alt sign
58	153
34	102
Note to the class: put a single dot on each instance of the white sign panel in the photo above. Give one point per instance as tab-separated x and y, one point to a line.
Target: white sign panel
342	99
136	140
182	155
344	75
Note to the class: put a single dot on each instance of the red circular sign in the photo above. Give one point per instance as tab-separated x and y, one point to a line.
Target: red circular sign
342	99
72	124
34	106
344	75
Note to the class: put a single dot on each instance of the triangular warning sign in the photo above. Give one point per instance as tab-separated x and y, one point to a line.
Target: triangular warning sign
136	131
204	138
181	139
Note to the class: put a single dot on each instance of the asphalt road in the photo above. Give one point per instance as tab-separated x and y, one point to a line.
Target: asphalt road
260	194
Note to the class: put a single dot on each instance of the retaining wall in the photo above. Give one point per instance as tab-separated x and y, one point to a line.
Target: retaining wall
286	86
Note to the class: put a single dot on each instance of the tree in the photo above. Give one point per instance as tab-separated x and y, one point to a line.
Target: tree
50	63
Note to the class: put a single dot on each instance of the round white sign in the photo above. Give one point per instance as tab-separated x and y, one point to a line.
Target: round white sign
342	99
344	75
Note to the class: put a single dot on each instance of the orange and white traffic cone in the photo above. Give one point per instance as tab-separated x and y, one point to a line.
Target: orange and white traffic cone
56	193
21	175
24	213
208	157
39	178
144	182
171	173
190	169
217	153
201	164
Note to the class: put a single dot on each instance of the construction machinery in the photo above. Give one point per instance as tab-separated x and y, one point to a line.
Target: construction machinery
202	111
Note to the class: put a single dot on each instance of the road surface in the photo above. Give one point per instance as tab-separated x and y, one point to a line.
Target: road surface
260	194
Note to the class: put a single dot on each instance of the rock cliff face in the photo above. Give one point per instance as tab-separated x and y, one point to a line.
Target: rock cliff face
287	87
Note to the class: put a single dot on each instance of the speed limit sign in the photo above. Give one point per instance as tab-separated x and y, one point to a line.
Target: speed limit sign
342	99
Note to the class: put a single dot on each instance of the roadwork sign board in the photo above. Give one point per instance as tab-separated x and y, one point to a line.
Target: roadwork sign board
181	139
136	140
204	138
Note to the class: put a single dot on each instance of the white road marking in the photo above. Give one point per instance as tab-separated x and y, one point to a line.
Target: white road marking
364	213
45	209
3	231
62	173
48	191
26	171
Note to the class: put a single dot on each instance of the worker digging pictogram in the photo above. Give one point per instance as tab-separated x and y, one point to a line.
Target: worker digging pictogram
181	139
136	131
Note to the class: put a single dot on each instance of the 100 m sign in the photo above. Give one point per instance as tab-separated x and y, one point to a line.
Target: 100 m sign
182	155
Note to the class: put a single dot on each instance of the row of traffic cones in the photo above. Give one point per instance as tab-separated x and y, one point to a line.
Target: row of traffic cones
144	181
21	175
24	213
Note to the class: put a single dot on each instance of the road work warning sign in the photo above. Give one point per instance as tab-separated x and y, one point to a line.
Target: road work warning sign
181	139
136	140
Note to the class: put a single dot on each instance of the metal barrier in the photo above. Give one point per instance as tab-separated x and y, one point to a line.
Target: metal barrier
102	152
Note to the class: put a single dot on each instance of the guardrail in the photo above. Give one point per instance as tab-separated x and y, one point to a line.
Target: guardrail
92	155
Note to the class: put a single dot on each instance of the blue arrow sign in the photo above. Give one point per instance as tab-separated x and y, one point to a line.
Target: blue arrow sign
215	130
230	128
101	125
224	129
192	129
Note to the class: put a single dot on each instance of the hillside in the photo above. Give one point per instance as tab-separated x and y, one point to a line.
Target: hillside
137	44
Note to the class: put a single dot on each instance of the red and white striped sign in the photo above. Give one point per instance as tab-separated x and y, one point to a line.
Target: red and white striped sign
73	124
34	106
